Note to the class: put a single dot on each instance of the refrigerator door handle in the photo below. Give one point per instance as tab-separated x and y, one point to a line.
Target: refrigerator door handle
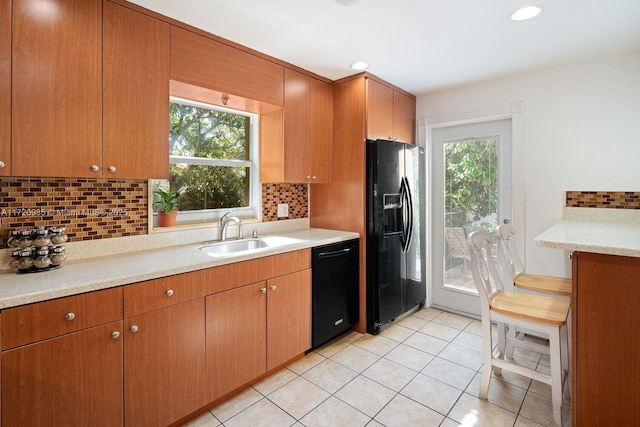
406	214
409	206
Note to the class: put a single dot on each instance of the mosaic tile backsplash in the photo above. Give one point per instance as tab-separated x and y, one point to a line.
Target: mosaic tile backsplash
93	209
88	208
295	195
603	199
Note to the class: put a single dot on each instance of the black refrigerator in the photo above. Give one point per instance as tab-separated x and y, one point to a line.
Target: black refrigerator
396	276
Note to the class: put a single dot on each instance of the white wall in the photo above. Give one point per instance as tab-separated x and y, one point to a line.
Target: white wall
582	132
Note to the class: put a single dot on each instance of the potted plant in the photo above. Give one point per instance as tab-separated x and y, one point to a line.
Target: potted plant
166	205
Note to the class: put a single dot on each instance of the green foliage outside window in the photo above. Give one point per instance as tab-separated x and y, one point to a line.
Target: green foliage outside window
203	133
471	182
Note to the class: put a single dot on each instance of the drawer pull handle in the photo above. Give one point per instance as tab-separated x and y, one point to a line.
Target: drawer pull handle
169	292
263	290
115	335
273	287
70	316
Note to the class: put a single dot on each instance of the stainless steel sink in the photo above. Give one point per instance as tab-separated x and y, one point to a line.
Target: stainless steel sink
233	246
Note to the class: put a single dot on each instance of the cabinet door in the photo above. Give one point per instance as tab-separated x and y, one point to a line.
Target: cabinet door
136	94
236	338
288	317
164	358
75	379
297	117
379	111
5	87
605	325
404	117
208	63
321	133
56	88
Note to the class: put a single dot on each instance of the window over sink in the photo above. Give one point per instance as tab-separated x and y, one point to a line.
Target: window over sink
213	161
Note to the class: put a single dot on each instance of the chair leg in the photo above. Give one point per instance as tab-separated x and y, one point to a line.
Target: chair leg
487	358
511	335
502	343
556	374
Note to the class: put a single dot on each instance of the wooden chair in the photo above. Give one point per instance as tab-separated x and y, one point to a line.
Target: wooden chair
542	314
457	241
513	265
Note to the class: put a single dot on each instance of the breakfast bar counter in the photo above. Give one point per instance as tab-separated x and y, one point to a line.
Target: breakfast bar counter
605	337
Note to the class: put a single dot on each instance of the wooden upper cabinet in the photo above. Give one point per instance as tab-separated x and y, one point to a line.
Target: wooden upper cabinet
304	152
379	111
56	88
136	94
404	117
5	87
204	62
390	113
321	144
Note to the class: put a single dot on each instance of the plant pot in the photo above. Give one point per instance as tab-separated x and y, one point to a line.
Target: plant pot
167	219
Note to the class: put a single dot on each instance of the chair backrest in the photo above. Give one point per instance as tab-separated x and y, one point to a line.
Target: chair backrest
483	267
457	241
507	251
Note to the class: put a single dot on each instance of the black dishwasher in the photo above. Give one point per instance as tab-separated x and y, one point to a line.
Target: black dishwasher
335	281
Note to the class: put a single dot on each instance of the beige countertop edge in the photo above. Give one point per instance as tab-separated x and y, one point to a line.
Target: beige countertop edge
93	274
596	237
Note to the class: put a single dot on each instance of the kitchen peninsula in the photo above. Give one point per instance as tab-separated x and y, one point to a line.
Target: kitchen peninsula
605	245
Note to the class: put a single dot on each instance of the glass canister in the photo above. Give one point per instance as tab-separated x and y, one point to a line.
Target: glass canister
12	241
42	259
25	240
15	260
42	238
58	236
59	256
26	261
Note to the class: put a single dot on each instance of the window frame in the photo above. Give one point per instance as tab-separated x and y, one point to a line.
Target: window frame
254	210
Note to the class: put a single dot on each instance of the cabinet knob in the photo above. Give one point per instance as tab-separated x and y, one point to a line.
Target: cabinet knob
273	287
313	177
70	316
308	176
263	290
95	168
169	292
115	335
1	164
111	168
134	329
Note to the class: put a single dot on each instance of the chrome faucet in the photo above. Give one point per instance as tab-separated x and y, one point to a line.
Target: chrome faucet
224	224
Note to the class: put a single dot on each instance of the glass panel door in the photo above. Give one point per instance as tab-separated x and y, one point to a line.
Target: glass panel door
472	191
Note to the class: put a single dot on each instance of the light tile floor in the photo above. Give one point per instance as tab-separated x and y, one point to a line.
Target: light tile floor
423	371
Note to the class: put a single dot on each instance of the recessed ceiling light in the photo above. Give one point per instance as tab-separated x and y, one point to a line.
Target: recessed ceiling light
347	2
526	12
359	65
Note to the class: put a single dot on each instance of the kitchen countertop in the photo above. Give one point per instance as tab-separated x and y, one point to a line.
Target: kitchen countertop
93	274
611	238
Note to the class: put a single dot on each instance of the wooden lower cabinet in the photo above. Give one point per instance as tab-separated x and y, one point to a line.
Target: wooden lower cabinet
256	328
236	338
605	325
74	380
288	317
164	364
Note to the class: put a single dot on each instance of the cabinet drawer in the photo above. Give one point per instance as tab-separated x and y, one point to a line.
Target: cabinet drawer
231	276
291	261
153	294
223	278
42	320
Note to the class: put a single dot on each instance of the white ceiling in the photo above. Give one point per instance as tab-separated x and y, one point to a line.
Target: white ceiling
419	45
